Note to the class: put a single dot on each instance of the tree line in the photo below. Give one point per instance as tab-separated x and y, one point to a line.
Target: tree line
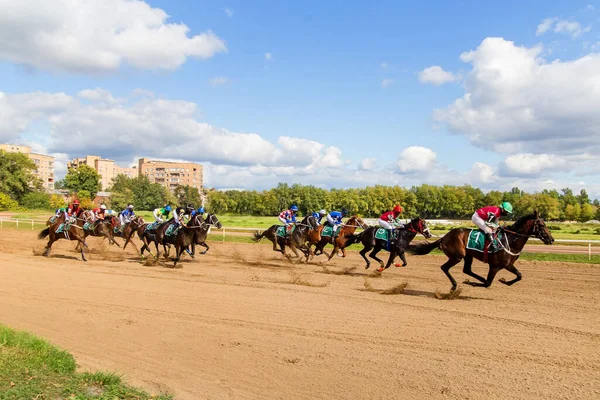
452	202
19	188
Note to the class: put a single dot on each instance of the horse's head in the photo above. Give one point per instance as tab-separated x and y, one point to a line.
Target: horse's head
540	230
419	225
212	219
195	221
311	222
357	222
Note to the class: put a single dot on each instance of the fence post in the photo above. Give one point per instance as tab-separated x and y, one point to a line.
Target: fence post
589	251
17	223
31	224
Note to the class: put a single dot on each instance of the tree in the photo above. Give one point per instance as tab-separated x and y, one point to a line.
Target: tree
186	194
583	197
7	204
588	212
36	201
56	202
572	212
84	178
16	175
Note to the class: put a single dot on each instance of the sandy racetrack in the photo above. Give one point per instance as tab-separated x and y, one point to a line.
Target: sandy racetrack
241	323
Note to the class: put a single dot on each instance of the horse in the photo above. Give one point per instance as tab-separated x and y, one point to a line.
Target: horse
454	246
193	233
100	228
397	247
339	242
297	239
73	232
128	229
146	236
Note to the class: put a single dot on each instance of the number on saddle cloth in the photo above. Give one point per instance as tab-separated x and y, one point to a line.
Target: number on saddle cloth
477	240
151	227
383	233
172	230
53	219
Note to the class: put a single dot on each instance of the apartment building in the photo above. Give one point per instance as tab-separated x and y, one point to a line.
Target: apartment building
44	164
107	169
172	174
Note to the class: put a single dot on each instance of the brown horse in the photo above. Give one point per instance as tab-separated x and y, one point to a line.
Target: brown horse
193	233
147	236
339	242
297	239
73	232
127	230
397	246
454	245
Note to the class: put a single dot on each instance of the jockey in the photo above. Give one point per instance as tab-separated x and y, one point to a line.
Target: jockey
487	217
127	215
160	214
98	213
390	220
74	211
288	218
334	218
180	212
319	215
61	211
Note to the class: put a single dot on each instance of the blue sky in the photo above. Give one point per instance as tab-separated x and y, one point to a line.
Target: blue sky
342	74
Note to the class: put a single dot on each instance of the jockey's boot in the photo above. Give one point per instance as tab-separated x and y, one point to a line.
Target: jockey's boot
493	247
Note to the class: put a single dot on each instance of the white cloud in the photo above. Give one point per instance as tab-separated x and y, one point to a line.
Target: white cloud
545	26
416	158
368	164
229	12
481	173
528	164
268	56
89	36
436	75
384	65
516	102
572	28
220	80
387	83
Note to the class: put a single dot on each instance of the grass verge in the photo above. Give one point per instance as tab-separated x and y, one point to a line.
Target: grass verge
32	368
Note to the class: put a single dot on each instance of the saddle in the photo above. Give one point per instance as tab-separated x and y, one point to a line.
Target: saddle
282	231
478	241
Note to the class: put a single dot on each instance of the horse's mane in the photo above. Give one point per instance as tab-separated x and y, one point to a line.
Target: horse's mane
521	221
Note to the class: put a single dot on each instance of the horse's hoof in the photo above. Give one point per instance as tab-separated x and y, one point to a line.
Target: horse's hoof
381	269
367	267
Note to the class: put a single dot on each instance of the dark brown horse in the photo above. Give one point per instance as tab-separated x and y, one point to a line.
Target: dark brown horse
71	231
147	236
195	232
339	242
127	230
297	239
454	245
397	247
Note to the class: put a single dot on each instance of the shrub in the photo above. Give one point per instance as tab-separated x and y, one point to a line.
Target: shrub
36	201
56	202
7	204
597	231
554	227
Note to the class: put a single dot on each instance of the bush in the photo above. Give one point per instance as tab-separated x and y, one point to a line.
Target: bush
36	201
86	203
577	232
554	227
597	231
8	204
56	202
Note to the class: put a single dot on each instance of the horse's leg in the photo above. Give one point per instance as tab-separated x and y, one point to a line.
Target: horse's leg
391	259
446	268
373	255
490	278
333	252
48	246
467	269
403	258
363	253
203	244
82	243
515	271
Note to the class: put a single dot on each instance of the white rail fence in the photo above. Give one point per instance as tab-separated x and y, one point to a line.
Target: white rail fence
21	222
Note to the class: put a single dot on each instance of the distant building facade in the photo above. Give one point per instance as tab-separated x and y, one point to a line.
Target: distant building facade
107	169
172	174
44	164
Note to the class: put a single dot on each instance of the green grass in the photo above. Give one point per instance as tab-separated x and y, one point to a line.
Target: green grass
32	368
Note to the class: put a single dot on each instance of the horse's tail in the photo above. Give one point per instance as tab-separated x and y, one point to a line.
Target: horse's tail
424	248
351	239
43	234
258	236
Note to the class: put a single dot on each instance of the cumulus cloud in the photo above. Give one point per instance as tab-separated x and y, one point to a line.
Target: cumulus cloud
367	164
436	76
268	56
86	36
528	164
517	102
415	159
387	83
481	174
219	81
572	28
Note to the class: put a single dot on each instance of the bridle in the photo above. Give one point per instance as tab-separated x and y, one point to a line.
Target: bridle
420	229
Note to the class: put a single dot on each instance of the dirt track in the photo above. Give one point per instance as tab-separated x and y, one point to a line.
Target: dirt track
241	323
